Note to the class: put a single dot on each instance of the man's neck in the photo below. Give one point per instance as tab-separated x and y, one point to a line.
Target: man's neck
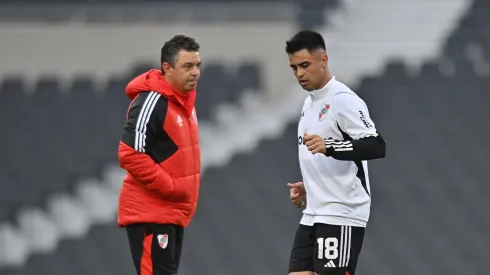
173	87
325	81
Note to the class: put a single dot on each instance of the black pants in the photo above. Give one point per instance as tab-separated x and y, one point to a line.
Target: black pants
156	248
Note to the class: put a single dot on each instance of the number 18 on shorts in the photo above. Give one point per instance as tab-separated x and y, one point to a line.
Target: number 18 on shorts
326	249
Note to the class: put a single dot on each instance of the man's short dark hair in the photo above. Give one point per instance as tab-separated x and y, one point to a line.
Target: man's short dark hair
305	40
171	48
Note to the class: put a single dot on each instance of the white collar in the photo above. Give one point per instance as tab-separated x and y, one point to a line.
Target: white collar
322	91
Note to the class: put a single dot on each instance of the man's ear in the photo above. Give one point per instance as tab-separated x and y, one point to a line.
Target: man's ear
324	60
166	68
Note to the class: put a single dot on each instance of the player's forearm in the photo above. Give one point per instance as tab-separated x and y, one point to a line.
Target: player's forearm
367	148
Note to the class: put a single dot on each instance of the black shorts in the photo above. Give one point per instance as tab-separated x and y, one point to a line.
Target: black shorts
326	249
156	248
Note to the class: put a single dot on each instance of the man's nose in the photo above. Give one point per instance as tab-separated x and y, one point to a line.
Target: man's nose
195	71
300	73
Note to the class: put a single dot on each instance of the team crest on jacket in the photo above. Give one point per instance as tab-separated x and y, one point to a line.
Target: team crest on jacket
323	112
163	240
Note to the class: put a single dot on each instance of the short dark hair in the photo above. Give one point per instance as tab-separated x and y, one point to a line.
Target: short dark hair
305	39
171	48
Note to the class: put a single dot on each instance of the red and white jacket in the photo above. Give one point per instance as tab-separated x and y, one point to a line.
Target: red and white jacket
159	150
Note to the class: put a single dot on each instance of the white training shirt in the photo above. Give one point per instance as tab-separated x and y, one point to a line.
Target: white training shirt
337	191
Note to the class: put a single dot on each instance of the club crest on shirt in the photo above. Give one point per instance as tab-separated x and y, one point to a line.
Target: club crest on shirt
323	112
163	240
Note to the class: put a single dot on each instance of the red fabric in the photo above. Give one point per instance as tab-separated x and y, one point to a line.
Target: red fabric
153	80
167	192
146	264
347	273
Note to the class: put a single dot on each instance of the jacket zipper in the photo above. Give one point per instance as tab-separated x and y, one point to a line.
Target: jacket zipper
193	146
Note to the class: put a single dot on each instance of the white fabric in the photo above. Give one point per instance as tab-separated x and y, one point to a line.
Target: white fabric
335	193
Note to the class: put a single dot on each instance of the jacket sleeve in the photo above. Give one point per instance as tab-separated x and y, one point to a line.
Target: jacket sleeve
145	119
361	139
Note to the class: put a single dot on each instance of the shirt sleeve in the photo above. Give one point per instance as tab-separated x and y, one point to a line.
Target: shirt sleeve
144	122
361	139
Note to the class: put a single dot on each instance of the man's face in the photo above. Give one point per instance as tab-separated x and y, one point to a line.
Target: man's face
309	68
185	72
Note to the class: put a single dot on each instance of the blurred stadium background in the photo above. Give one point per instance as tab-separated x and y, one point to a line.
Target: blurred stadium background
423	67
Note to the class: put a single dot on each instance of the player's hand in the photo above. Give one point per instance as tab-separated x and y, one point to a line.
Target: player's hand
315	143
297	194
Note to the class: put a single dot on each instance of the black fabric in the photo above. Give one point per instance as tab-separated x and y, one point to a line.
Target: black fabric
362	149
301	257
340	248
136	235
367	148
361	175
165	256
157	144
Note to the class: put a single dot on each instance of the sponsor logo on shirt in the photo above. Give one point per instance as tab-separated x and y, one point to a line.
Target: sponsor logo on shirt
301	140
364	121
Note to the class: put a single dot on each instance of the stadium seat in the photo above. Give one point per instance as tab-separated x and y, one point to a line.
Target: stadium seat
311	13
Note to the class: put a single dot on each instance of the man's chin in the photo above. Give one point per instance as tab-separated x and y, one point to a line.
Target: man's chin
308	89
189	87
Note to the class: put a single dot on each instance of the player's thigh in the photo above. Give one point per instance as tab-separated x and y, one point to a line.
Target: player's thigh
301	257
156	248
337	249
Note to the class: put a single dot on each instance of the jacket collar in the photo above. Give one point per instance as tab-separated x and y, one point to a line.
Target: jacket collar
322	91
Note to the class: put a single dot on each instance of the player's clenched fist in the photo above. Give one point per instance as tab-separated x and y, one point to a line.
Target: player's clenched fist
297	194
315	143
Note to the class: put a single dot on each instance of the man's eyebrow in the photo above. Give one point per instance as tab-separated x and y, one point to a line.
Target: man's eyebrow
301	63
